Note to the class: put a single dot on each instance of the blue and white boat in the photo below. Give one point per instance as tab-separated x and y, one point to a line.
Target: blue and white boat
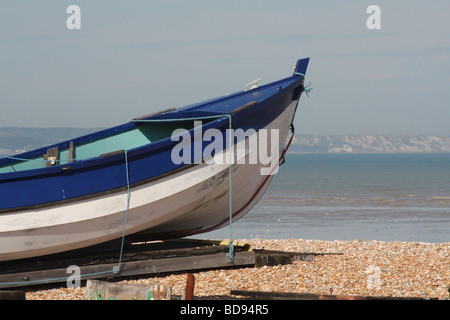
123	180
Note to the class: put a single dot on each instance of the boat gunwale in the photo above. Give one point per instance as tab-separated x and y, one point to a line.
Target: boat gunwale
100	159
184	112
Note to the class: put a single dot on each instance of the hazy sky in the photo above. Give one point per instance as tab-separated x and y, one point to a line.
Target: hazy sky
134	57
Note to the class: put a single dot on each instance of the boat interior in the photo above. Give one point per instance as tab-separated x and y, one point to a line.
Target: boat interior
99	144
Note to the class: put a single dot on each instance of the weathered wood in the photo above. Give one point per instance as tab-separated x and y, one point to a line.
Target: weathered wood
112	153
189	263
263	258
103	290
109	253
189	290
153	114
70	156
263	295
12	295
52	157
154	257
135	262
29	278
272	257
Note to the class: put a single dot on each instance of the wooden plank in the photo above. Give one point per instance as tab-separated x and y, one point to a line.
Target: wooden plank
273	257
312	296
52	157
112	153
59	275
155	257
188	263
263	258
153	114
109	253
263	295
70	156
128	268
12	295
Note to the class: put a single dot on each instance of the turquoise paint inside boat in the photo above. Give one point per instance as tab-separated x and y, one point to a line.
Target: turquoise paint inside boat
142	135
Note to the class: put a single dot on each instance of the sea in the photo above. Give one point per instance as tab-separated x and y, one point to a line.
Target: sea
336	196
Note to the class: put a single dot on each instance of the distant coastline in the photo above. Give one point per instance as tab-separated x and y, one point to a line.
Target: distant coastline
15	140
370	144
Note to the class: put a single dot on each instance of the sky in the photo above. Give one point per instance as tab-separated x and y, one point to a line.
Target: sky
131	58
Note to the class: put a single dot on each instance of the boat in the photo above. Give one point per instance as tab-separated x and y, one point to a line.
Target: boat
151	175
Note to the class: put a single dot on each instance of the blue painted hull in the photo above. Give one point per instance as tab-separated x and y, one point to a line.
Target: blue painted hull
82	179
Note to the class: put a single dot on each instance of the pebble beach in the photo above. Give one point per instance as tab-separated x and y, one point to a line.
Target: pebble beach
351	267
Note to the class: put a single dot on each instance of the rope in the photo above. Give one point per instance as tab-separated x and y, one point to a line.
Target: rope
117	268
230	253
307	89
282	159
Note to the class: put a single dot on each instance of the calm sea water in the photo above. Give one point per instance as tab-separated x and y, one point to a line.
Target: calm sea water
387	197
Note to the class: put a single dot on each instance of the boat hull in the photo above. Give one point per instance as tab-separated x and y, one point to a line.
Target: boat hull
190	201
91	197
